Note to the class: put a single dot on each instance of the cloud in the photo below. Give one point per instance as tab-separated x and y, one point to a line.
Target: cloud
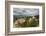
25	11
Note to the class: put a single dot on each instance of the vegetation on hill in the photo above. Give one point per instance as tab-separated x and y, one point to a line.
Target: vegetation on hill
34	22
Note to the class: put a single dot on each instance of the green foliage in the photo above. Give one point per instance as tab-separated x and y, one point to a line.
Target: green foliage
32	23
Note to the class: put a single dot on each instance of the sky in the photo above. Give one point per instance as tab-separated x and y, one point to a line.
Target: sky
25	11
